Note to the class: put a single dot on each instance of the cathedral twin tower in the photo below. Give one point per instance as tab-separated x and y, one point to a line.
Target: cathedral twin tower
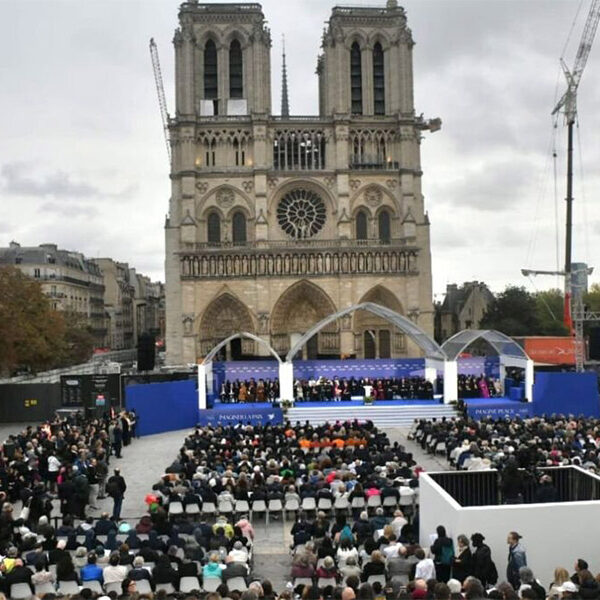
276	222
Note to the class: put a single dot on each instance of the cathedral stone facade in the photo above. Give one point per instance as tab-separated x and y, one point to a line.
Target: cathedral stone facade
278	221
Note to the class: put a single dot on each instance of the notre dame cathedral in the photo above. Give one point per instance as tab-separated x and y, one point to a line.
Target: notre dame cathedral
276	221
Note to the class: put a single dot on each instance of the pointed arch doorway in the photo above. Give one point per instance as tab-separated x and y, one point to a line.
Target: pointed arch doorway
301	306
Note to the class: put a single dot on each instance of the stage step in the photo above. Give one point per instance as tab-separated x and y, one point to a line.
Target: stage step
382	416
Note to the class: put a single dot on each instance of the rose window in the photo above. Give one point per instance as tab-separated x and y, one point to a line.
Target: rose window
301	213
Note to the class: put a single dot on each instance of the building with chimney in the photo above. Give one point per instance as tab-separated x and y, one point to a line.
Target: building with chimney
463	308
277	221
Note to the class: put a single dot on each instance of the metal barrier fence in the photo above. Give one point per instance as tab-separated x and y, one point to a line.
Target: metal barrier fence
483	488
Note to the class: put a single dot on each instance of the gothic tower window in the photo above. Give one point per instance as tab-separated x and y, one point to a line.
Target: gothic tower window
210	71
213	228
239	228
236	82
378	80
361	225
385	230
356	79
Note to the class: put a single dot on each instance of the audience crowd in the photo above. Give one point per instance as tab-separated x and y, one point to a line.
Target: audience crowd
525	443
354	536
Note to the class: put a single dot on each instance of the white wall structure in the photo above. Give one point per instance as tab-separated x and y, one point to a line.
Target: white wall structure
286	380
554	534
202	370
450	381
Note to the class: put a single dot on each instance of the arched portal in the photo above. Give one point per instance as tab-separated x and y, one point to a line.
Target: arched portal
375	336
298	308
224	317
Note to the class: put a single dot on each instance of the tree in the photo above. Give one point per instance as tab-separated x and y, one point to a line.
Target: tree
78	343
550	310
31	333
513	312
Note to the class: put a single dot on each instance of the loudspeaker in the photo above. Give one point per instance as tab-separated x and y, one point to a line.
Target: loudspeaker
146	352
594	343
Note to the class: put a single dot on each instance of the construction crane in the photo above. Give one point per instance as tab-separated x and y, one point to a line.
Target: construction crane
160	90
574	317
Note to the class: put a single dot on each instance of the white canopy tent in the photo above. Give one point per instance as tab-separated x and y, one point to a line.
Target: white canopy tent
509	353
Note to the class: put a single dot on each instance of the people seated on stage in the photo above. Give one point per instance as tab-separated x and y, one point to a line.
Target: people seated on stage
323	389
470	386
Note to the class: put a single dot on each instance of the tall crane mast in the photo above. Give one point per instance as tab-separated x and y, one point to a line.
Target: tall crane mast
160	90
568	104
574	317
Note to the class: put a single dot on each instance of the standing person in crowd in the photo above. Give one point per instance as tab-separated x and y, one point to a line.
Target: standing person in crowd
443	554
462	563
511	483
116	487
483	567
517	558
117	438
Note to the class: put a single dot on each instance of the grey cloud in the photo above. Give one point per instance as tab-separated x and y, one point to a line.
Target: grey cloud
69	210
18	181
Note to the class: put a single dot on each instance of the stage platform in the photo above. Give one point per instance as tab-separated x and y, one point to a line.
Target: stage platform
383	413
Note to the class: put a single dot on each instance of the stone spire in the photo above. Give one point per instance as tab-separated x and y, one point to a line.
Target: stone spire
285	103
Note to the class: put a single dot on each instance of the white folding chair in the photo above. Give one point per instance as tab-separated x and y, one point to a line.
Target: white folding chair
376	579
292	505
93	585
68	588
242	506
324	582
211	584
225	506
167	587
324	504
275	506
389	501
237	584
341	503
175	508
143	586
44	588
305	581
113	587
20	591
358	502
258	506
209	508
309	503
189	584
374	501
192	509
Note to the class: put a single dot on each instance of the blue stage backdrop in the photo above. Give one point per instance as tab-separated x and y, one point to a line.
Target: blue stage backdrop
232	414
476	365
566	393
311	369
163	406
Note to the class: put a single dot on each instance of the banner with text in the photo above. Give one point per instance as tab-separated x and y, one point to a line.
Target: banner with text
256	414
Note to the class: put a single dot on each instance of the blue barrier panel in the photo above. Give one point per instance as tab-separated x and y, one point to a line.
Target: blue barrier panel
232	414
483	409
566	393
163	406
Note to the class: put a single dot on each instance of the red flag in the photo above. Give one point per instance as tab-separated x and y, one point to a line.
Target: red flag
567	316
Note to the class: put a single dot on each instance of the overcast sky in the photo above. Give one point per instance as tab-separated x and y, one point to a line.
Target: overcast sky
83	162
